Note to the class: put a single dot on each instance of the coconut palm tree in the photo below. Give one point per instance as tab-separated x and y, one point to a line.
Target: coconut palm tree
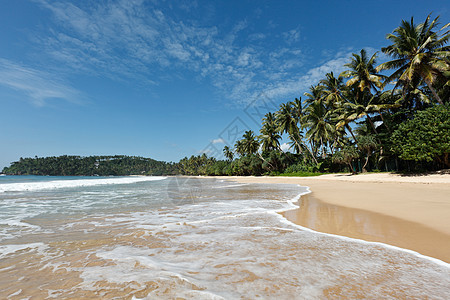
332	90
270	137
249	142
419	52
362	73
297	109
320	129
239	148
287	123
228	153
287	120
357	107
315	94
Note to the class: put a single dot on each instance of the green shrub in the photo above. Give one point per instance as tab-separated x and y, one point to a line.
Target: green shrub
426	137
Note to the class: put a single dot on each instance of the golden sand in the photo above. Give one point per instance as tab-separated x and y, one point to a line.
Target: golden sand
408	212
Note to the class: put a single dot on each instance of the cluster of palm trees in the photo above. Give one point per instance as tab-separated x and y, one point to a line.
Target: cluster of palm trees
323	125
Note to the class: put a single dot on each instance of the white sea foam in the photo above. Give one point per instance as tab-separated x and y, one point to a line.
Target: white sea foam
244	254
231	186
58	184
9	249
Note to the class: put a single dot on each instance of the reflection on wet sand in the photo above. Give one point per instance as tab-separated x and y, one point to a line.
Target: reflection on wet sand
323	217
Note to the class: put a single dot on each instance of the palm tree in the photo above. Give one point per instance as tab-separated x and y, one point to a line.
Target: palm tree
297	109
314	95
270	137
287	121
333	90
320	130
363	80
239	148
362	73
249	142
419	52
358	107
228	153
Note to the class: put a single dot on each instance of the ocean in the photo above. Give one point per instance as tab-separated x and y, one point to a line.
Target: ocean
192	238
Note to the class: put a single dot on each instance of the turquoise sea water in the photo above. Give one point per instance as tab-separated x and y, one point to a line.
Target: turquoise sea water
194	238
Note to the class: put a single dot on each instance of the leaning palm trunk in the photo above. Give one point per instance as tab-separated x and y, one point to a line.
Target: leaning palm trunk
351	132
285	154
323	148
304	146
374	128
430	86
262	158
384	122
372	125
332	145
366	162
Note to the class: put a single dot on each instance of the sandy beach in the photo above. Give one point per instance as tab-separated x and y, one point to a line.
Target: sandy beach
411	212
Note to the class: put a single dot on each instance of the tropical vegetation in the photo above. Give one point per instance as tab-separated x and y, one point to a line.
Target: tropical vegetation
117	165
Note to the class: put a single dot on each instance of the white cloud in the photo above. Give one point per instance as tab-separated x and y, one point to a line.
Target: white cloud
285	147
38	86
218	141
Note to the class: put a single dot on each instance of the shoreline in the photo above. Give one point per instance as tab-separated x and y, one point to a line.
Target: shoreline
410	212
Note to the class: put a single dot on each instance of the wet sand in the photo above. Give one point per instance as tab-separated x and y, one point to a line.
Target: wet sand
408	212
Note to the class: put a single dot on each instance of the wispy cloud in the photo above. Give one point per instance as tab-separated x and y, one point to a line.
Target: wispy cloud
292	35
38	86
285	147
140	40
295	85
218	141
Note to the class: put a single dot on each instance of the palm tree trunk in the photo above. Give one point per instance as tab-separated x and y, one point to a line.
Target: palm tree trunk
285	154
371	123
384	122
262	158
323	148
351	132
374	128
427	81
309	150
365	163
332	147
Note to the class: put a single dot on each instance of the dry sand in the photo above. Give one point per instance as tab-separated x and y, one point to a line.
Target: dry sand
411	212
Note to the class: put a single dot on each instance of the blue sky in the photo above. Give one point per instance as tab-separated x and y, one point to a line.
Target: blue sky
168	79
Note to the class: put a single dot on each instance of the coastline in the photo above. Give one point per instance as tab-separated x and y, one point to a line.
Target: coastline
411	212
